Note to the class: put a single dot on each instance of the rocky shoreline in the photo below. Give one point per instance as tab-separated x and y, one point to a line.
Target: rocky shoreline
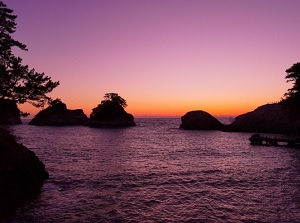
22	174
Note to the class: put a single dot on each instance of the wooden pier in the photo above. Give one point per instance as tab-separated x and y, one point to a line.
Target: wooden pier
258	139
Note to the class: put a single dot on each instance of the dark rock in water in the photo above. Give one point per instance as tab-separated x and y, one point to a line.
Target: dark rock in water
269	118
58	115
22	174
200	120
272	118
9	112
111	115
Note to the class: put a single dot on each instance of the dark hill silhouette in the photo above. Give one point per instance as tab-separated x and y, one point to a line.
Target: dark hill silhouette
271	118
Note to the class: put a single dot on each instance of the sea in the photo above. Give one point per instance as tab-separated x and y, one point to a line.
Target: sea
157	172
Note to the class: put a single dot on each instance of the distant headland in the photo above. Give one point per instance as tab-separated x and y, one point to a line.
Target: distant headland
281	117
268	118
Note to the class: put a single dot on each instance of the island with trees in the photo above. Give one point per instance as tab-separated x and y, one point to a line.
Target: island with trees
111	113
57	114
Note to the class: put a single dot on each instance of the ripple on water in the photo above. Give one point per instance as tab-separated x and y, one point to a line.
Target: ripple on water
156	172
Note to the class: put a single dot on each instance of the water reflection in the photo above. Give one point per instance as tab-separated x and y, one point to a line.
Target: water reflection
155	172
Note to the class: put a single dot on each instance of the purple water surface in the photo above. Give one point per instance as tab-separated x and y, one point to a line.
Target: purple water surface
156	172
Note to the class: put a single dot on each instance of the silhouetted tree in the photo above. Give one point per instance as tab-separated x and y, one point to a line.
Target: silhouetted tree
57	104
56	101
111	105
18	83
292	97
114	97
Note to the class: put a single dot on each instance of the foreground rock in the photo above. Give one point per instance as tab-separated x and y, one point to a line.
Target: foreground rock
57	114
272	118
110	115
22	174
200	120
9	113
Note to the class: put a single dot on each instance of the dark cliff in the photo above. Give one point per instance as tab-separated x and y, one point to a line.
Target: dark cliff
22	174
272	118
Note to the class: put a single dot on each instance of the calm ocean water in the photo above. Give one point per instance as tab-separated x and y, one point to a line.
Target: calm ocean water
156	172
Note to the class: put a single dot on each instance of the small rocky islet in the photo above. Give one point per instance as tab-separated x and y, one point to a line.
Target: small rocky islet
200	120
110	113
57	114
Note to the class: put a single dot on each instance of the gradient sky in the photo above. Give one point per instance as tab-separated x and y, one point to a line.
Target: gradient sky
165	57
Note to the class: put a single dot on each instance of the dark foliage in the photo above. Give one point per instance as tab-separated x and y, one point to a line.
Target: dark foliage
110	113
57	104
114	97
107	111
110	106
9	112
18	83
292	97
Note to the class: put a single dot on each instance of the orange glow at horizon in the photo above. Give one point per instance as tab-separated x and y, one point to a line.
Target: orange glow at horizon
164	58
163	108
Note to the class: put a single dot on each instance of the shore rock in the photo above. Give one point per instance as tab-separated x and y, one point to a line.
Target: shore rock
9	113
271	118
22	174
110	115
200	120
58	115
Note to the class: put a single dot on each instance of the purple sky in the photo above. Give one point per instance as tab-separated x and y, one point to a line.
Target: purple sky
164	57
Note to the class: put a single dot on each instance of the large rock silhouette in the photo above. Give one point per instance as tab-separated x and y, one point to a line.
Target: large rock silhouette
110	115
272	118
200	120
22	174
9	112
57	114
269	118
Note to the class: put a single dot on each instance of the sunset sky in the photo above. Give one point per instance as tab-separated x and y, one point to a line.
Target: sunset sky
165	57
